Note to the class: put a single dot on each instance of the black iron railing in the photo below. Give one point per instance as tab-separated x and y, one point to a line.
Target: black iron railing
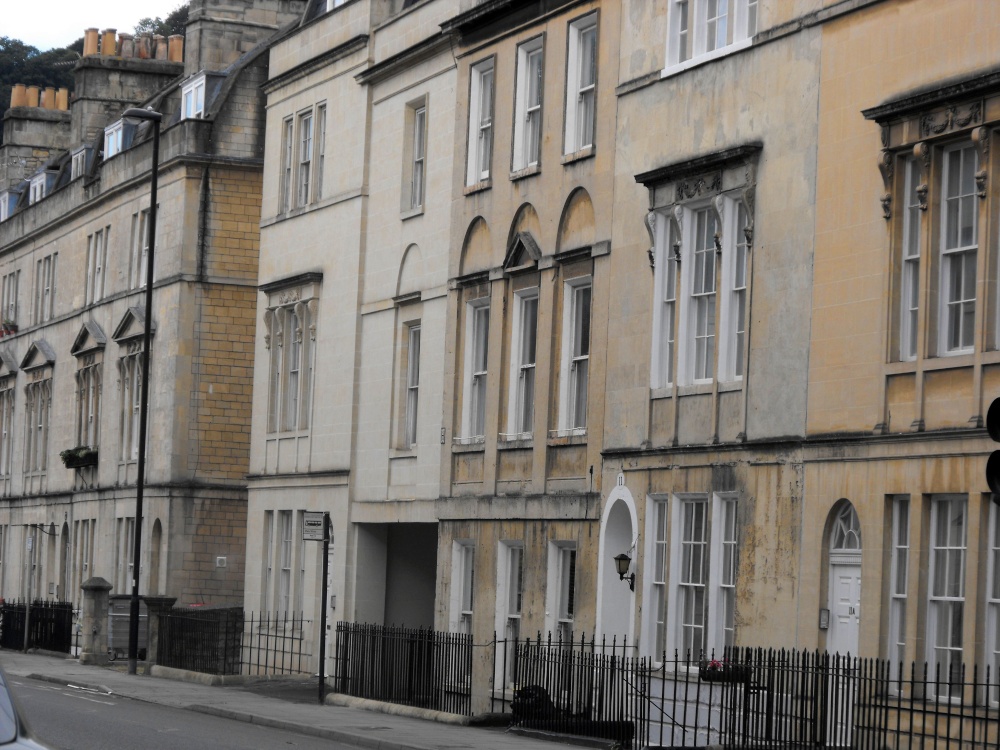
201	640
277	643
50	625
581	686
412	667
777	698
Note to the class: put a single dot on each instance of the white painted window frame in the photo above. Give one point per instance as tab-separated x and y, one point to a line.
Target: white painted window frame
528	124
949	551
475	386
688	43
581	89
97	254
193	98
463	589
571	359
481	105
413	333
113	134
950	256
522	372
561	594
909	287
898	585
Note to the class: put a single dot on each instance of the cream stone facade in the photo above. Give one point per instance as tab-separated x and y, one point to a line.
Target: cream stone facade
72	255
704	290
353	293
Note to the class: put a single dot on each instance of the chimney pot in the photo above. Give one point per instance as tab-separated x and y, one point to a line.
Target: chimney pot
142	47
62	100
49	97
32	96
108	46
175	51
89	42
161	46
19	95
126	47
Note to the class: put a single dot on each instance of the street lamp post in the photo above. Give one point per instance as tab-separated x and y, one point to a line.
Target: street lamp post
147	115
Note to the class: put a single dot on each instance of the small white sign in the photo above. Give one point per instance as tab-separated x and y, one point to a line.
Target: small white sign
312	527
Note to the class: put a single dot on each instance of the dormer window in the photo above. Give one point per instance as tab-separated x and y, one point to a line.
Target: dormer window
331	4
8	199
80	162
113	138
36	191
193	96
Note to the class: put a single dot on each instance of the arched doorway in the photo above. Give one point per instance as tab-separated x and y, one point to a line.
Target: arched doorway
845	580
616	602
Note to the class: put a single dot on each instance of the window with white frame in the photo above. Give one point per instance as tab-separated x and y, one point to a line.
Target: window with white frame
81	161
898	583
480	122
331	4
8	199
113	135
8	297
701	256
701	606
286	541
89	381
412	384
910	266
658	576
581	84
97	255
418	148
290	335
528	105
287	152
7	396
124	544
139	255
477	332
267	562
38	405
36	188
45	287
130	391
193	98
305	157
521	402
992	649
702	29
510	595
946	605
320	149
463	586
575	371
736	289
959	246
561	593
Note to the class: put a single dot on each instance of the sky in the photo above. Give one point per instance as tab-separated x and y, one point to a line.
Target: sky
58	23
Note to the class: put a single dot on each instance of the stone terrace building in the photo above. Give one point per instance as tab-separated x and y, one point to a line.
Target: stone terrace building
72	262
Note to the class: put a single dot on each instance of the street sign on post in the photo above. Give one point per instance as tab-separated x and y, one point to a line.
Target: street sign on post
993	462
316	527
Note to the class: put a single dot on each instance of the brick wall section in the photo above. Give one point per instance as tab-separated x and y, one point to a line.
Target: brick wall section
213	527
222	393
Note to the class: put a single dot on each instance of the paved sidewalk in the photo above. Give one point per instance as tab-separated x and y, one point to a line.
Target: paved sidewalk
350	724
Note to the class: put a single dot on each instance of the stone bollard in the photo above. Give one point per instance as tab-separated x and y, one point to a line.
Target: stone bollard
94	622
156	607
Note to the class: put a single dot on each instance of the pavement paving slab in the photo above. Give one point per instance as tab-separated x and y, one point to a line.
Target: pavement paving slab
286	705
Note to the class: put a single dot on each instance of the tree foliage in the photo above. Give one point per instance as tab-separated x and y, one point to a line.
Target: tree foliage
174	23
22	63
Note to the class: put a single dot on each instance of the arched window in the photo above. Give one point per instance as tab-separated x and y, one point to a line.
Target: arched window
846	529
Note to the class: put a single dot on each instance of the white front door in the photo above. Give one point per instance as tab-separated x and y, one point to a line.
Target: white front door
845	608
